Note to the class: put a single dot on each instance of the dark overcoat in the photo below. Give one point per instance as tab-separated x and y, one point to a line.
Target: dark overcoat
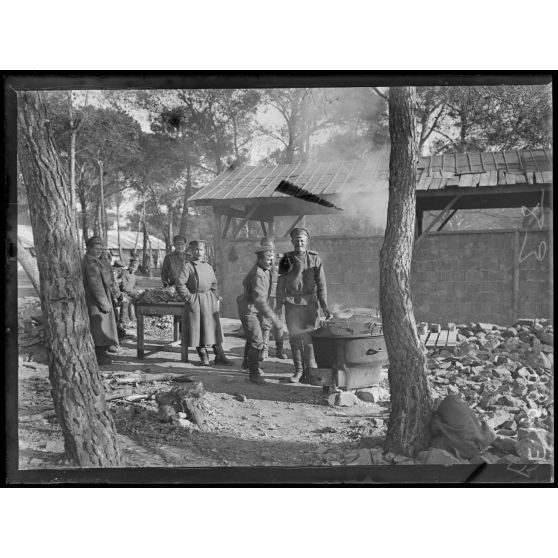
98	284
197	285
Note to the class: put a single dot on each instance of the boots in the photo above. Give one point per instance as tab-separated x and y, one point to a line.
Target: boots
256	375
264	353
204	357
220	357
102	358
244	365
296	348
309	361
279	350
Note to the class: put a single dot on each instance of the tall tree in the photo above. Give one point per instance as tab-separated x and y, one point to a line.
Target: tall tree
90	438
411	403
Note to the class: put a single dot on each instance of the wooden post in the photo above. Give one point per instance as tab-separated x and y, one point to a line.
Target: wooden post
218	247
515	292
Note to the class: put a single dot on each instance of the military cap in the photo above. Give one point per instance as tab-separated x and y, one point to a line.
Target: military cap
94	240
299	231
267	241
177	238
196	243
264	251
117	263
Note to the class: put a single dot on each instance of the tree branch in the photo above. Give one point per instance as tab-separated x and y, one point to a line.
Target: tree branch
378	92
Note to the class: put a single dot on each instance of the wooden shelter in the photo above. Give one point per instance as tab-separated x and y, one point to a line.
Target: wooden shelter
445	183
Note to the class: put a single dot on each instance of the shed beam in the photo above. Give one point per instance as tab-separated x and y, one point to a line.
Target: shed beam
436	220
245	219
227	225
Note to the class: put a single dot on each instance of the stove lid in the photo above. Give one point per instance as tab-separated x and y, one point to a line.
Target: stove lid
349	328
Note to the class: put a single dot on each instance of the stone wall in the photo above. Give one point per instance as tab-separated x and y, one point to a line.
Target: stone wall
487	276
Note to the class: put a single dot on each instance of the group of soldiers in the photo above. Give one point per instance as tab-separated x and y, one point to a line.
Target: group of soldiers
300	291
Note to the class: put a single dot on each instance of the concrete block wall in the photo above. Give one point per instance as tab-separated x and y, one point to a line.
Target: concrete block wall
456	276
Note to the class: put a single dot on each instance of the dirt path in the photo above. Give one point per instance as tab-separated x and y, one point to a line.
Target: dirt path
276	424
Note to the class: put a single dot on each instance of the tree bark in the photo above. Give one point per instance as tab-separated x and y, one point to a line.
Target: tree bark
411	403
187	193
89	432
29	265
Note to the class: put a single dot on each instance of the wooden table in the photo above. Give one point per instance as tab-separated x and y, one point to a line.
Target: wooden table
163	309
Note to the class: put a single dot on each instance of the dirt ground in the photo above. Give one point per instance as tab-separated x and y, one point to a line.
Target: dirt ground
284	424
275	424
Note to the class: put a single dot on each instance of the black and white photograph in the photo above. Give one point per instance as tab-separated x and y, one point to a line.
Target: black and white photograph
280	278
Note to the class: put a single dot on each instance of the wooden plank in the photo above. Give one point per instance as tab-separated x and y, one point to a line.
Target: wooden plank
547	177
530	176
423	182
476	179
442	338
452	182
539	177
452	339
435	184
484	179
510	178
520	179
466	181
422	337
432	339
493	179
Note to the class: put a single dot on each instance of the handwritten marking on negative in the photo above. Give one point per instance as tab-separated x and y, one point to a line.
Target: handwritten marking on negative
541	250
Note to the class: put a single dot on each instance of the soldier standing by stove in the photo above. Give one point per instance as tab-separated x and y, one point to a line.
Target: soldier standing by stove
254	310
268	326
301	286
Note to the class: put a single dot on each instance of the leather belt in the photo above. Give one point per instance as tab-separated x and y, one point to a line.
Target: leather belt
202	290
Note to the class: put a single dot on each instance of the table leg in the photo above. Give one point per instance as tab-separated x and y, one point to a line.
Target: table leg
184	335
139	317
176	329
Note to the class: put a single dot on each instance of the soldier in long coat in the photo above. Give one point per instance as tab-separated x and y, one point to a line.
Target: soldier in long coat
253	308
301	286
98	284
197	285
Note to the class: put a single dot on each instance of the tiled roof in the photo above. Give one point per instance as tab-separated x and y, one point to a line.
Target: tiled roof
372	172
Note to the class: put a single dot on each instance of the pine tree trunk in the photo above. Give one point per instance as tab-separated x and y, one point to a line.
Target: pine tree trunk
89	432
411	403
187	193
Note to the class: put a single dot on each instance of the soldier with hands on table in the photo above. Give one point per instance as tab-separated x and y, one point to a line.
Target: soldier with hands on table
301	286
253	306
197	286
173	263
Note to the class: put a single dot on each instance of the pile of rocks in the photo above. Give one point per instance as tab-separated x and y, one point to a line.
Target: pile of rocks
505	374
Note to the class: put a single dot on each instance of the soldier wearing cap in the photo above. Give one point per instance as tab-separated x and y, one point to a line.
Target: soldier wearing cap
172	264
301	286
197	285
254	308
98	282
266	324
